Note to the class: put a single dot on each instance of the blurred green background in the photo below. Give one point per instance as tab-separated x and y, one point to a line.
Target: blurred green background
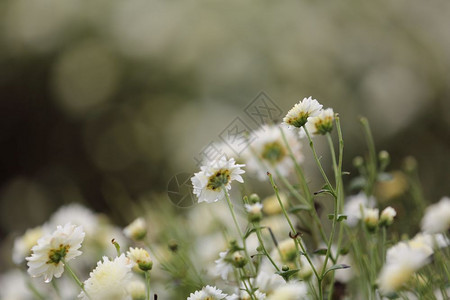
111	98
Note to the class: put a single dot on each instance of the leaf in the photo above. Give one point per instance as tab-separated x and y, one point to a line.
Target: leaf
384	177
337	267
321	251
357	183
340	217
325	190
251	230
287	274
300	207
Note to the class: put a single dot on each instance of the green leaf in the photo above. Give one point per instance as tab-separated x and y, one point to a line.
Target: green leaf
321	251
325	190
341	218
287	274
300	207
337	267
251	230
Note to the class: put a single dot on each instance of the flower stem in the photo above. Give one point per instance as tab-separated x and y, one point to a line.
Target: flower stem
75	277
147	283
261	243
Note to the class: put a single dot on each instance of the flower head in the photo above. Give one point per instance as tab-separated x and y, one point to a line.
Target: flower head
141	258
23	244
322	123
109	280
387	216
53	250
207	293
216	177
137	290
136	230
254	211
371	216
290	291
355	205
268	151
437	217
224	265
299	114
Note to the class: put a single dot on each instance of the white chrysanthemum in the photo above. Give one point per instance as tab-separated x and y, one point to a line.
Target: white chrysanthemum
268	281
437	217
207	293
299	114
354	205
13	286
290	291
402	261
268	152
371	216
254	208
322	123
430	241
244	295
210	183
387	216
136	230
109	280
137	290
223	265
140	257
23	244
48	255
76	214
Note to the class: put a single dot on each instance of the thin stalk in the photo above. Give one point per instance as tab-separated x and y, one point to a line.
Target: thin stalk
230	206
75	277
261	243
372	163
34	291
147	283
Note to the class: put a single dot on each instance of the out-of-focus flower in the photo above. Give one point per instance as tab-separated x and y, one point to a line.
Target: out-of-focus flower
13	286
402	261
76	214
371	216
290	291
288	250
245	296
268	151
223	265
299	114
109	280
140	257
137	290
254	212
207	293
136	230
437	217
322	123
210	183
354	206
53	250
387	216
23	244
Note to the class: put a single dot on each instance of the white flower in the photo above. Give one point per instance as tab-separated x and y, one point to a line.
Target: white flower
268	152
23	244
76	214
137	290
437	217
244	295
429	241
402	261
387	216
223	265
13	286
136	230
140	257
254	211
290	291
109	280
299	114
210	183
48	255
268	281
371	216
322	123
354	205
207	293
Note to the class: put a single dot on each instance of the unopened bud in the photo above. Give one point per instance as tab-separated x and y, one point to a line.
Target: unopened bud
387	216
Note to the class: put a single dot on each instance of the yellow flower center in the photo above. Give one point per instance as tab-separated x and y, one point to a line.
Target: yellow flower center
55	255
273	152
219	179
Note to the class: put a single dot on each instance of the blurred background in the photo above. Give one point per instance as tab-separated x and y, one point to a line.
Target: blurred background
110	98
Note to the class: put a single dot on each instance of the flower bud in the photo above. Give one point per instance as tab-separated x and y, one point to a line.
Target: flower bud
136	289
140	257
371	218
254	198
358	161
254	212
238	260
387	216
137	230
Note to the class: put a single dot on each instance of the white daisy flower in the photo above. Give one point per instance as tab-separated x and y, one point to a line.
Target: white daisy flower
290	291
22	245
210	183
268	152
402	261
13	286
299	114
254	211
52	249
244	295
354	205
437	217
207	293
268	281
371	216
109	280
322	123
223	265
136	230
140	257
137	290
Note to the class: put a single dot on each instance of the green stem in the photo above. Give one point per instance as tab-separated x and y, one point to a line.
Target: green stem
261	243
34	291
147	283
372	163
75	277
230	206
